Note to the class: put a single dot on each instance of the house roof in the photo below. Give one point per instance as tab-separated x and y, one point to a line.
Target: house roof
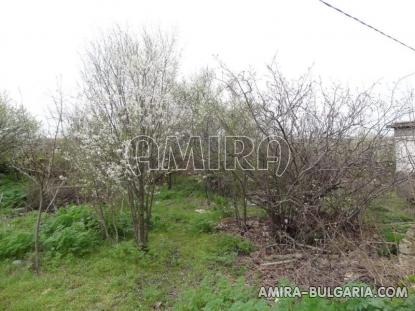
403	125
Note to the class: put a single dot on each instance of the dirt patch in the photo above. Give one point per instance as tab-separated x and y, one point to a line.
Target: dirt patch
345	260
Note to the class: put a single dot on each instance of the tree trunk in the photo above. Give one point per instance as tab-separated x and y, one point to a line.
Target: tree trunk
37	232
142	211
170	180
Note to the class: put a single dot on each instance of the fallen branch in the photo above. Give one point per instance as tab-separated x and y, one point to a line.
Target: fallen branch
300	244
282	262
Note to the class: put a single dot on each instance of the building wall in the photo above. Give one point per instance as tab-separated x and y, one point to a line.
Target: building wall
405	150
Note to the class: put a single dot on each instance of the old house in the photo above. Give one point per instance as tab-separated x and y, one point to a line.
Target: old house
404	137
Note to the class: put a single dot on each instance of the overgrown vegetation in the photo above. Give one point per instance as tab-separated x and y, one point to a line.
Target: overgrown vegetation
12	193
75	248
188	266
392	217
149	186
220	294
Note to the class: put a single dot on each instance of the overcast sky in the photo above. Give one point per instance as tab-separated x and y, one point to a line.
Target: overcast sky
43	39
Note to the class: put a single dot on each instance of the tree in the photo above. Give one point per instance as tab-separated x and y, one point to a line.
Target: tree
36	159
128	83
200	103
16	128
331	150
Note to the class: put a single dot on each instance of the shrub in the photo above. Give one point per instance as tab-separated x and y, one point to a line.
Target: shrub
121	222
203	225
227	248
221	204
66	217
12	193
159	224
231	244
15	244
75	239
220	201
72	230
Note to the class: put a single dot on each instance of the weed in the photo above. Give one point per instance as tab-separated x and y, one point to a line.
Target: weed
15	244
230	244
12	193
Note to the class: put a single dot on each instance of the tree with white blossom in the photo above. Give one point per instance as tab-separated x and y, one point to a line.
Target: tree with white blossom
128	83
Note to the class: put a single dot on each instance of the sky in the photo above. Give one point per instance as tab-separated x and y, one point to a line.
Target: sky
42	41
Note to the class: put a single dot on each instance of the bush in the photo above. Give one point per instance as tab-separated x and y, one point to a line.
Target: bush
12	193
227	248
203	225
230	244
159	224
73	230
75	239
220	201
221	204
120	222
15	244
66	217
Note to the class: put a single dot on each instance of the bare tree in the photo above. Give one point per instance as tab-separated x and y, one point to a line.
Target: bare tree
36	159
331	152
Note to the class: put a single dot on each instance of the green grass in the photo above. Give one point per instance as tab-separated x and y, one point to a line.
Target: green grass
392	216
189	265
184	249
12	195
218	293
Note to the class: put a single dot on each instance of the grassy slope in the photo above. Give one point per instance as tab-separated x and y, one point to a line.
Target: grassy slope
184	250
392	215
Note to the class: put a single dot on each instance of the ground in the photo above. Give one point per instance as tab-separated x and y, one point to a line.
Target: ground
196	261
